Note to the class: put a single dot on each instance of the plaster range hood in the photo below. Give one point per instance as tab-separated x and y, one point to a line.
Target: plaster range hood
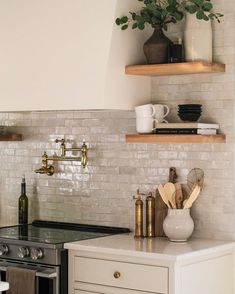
67	55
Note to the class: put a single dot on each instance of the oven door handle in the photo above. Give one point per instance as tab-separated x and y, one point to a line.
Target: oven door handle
42	274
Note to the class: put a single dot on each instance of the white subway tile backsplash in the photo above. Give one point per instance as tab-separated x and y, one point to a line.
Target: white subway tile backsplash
102	192
216	93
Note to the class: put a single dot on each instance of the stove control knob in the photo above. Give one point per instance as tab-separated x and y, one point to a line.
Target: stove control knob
3	249
23	252
36	253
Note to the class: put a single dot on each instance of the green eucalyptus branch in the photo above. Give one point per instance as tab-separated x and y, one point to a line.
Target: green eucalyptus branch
163	12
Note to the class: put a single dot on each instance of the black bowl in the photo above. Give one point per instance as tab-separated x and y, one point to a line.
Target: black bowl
189	111
190	105
189	116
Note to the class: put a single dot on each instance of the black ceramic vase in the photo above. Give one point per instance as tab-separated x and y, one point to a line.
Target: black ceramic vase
156	48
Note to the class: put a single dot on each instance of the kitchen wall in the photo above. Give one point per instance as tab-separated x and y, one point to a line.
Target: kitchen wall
102	192
54	50
215	211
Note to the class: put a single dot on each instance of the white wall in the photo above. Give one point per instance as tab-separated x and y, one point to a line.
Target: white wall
67	54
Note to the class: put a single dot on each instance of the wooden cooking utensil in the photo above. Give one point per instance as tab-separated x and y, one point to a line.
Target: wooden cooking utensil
169	189
163	194
178	195
193	196
173	200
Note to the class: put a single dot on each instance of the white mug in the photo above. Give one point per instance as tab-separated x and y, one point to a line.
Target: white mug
144	124
161	111
146	110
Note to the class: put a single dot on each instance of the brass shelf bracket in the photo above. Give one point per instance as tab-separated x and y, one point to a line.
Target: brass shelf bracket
48	169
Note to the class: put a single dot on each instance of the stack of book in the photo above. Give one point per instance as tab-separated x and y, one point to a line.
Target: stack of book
186	128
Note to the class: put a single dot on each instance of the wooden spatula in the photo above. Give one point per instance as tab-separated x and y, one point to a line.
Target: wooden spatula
193	196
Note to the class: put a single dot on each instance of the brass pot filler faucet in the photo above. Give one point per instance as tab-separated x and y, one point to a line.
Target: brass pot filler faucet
49	169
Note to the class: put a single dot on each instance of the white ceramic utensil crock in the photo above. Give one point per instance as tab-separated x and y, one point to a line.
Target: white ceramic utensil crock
178	225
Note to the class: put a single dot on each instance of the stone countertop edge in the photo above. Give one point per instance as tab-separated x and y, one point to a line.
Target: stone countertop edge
157	248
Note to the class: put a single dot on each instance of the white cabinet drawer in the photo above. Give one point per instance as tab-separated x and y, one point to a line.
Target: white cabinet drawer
132	276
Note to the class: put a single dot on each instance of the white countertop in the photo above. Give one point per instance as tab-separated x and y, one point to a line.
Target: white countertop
4	286
159	248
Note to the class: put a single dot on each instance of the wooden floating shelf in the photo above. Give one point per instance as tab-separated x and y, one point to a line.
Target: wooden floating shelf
182	68
155	138
10	137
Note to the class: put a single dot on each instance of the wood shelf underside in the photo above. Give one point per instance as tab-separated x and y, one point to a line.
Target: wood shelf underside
154	138
195	67
10	137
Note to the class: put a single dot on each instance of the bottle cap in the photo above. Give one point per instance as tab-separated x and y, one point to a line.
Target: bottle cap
23	178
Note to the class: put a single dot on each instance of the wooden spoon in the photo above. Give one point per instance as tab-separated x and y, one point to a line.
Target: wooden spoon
193	196
163	195
169	189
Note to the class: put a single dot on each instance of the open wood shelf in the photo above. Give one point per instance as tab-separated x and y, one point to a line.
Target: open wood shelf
10	137
156	138
182	68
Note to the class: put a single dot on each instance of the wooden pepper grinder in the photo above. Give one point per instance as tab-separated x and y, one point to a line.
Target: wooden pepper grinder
139	233
150	215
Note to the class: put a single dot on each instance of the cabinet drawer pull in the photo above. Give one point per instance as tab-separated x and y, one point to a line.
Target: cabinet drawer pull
117	275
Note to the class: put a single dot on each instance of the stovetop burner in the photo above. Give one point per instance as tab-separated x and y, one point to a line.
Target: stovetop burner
56	233
42	242
46	235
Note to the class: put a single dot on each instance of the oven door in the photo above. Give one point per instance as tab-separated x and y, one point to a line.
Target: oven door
47	277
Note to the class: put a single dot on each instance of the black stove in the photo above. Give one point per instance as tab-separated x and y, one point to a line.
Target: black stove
51	236
40	246
48	238
46	235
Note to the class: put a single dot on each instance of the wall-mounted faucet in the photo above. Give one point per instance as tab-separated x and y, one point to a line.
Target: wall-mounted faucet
45	168
49	169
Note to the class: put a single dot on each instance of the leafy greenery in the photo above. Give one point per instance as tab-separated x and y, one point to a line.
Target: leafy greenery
163	12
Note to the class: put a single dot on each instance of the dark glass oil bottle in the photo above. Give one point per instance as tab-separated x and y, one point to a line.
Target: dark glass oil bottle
23	204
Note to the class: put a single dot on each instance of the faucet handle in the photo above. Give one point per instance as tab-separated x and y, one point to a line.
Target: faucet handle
84	150
60	141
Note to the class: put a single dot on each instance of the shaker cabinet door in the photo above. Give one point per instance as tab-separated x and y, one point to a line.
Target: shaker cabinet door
133	276
210	276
